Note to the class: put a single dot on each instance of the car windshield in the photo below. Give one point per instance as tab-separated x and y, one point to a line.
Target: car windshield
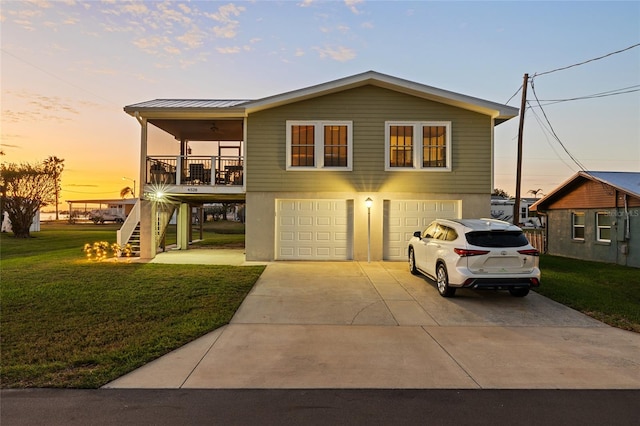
497	238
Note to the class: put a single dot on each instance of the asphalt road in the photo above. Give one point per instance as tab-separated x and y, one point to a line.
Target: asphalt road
54	407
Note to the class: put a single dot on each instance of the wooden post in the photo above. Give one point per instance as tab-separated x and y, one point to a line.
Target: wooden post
523	105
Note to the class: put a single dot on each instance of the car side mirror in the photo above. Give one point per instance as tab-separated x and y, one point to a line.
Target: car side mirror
417	234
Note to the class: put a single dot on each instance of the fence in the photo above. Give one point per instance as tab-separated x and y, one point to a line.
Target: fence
537	239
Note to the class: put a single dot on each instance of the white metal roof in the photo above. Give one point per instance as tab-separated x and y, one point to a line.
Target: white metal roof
188	103
497	111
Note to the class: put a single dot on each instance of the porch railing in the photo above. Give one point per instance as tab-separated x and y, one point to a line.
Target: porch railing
195	170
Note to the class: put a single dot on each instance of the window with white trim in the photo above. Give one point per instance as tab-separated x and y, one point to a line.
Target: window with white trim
577	225
603	225
418	145
315	145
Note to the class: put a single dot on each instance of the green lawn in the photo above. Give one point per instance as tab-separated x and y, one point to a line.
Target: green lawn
68	322
609	293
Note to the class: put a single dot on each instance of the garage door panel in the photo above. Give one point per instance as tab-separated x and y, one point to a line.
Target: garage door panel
304	251
448	207
323	221
396	253
287	220
286	236
395	237
403	217
313	229
323	236
305	205
412	221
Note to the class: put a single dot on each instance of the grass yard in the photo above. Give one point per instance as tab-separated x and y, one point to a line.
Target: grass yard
609	293
67	322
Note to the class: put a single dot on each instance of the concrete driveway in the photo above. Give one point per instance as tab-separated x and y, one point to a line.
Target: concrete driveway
374	325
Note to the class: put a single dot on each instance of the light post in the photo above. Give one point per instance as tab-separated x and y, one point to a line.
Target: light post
368	202
133	193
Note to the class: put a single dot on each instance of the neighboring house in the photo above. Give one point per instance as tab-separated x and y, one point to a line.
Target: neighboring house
595	216
306	161
502	209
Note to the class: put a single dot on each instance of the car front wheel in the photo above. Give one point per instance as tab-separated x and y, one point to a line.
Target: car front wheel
412	262
442	280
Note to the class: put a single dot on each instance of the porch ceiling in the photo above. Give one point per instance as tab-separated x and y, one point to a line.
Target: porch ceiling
201	130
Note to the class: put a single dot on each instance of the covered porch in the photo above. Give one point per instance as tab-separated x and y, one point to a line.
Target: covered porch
192	152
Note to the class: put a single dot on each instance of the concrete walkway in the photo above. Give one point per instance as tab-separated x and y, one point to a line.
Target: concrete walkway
374	325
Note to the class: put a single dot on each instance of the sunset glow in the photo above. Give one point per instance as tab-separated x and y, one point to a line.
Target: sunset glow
69	68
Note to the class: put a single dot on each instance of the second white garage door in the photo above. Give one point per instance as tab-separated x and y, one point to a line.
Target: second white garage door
403	217
314	229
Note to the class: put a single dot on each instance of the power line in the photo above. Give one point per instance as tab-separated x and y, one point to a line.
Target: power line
555	135
622	91
514	95
546	132
587	61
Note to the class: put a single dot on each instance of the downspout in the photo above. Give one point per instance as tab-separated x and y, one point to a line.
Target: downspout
627	226
546	230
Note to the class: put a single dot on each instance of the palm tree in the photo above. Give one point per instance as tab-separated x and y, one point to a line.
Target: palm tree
127	190
535	192
55	166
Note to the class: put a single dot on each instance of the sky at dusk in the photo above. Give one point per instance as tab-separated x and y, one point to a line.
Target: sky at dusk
69	67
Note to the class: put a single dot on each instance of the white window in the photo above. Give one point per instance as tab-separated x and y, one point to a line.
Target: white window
603	224
577	224
418	145
325	145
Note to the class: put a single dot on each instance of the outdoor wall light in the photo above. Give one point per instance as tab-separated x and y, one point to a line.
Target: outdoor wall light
368	202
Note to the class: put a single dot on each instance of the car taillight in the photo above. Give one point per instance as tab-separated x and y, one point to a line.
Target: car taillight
529	252
464	252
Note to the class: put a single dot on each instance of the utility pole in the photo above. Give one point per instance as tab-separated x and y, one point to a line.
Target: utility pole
523	105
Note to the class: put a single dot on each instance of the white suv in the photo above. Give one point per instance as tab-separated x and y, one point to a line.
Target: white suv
475	253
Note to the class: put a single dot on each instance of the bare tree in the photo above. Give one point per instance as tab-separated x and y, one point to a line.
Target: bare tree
26	188
55	166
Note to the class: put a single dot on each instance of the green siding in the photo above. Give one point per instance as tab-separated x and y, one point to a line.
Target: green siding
368	108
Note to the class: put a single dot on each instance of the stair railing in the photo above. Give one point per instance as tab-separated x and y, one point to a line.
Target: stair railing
123	235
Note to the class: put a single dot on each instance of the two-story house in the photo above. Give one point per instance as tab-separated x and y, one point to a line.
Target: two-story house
344	170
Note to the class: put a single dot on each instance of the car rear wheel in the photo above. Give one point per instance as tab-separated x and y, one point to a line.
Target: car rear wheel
412	262
519	291
442	280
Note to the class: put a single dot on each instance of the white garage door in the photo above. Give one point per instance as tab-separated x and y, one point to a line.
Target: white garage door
403	217
314	229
